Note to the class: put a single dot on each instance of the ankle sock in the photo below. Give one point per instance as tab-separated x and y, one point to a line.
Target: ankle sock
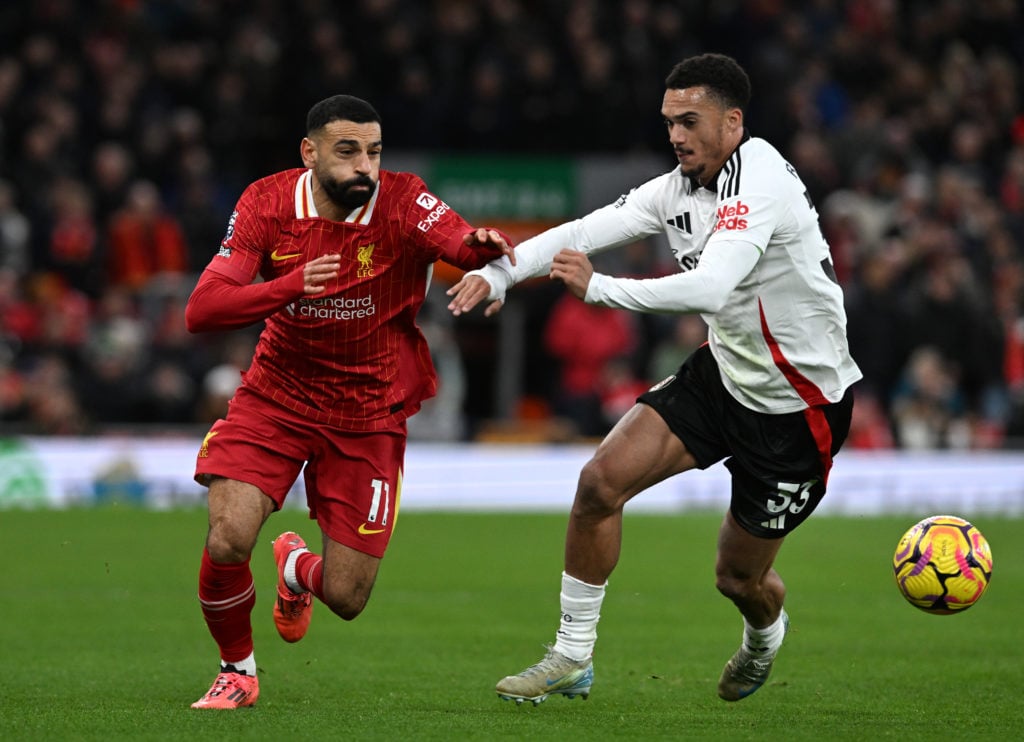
309	573
581	610
245	666
290	578
765	641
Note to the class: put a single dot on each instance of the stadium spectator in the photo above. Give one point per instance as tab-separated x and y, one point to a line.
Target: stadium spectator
878	320
583	355
618	390
220	382
344	252
63	313
688	333
219	385
113	170
929	411
442	417
19	324
114	358
870	427
53	406
13	401
73	248
14	234
146	243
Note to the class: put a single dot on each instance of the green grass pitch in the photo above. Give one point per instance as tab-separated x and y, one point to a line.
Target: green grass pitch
101	637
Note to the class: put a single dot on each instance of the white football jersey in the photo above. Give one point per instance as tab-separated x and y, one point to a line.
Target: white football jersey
754	264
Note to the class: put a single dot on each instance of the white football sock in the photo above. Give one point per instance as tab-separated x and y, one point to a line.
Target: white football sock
765	641
289	570
581	609
246	666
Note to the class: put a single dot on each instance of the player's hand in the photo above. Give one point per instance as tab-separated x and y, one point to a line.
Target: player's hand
484	236
469	292
319	271
574	269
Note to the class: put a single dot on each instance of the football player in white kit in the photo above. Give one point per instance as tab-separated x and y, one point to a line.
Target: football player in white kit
769	393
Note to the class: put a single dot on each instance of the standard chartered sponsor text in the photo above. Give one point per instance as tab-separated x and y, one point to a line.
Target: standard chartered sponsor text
337	307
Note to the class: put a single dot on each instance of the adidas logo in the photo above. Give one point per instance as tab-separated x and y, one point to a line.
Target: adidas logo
681	222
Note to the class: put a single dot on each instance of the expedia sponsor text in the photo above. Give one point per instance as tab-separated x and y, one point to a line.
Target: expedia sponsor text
433	217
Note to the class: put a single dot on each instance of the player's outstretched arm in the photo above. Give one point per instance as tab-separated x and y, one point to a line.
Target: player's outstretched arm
532	258
220	303
483	237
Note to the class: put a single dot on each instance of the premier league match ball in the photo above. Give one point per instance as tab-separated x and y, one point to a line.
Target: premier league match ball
942	564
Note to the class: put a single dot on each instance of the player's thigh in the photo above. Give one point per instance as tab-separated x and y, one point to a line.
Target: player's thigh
639	452
237	511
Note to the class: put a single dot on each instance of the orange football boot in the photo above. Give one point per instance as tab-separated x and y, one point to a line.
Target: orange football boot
231	690
292	610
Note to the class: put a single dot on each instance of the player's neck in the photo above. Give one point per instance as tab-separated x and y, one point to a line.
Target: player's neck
326	208
710	177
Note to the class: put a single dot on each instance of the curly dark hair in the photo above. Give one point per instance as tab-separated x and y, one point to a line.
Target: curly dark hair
340	108
723	77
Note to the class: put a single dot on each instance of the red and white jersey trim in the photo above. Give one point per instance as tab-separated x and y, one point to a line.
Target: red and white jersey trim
305	208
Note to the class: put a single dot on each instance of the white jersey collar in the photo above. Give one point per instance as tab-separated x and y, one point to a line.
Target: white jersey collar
306	209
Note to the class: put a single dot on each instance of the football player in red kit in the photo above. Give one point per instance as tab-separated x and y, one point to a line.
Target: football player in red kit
345	252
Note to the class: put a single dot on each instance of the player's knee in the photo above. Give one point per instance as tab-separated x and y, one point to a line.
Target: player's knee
228	545
595	493
344	601
738	588
344	608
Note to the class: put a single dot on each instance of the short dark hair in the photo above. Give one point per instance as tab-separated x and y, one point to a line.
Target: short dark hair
340	108
721	75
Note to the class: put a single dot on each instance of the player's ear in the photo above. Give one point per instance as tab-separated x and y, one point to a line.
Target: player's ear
734	119
307	150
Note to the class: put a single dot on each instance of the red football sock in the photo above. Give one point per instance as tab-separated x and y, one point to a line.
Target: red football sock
227	595
309	573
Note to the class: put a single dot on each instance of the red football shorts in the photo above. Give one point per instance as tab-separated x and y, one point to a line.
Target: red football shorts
353	479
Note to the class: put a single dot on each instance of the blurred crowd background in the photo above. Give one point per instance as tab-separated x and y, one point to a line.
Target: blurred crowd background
128	128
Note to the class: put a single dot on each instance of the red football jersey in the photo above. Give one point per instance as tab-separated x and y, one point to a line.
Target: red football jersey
351	356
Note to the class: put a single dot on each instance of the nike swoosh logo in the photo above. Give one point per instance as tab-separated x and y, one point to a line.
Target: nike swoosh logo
275	257
571	677
370	531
